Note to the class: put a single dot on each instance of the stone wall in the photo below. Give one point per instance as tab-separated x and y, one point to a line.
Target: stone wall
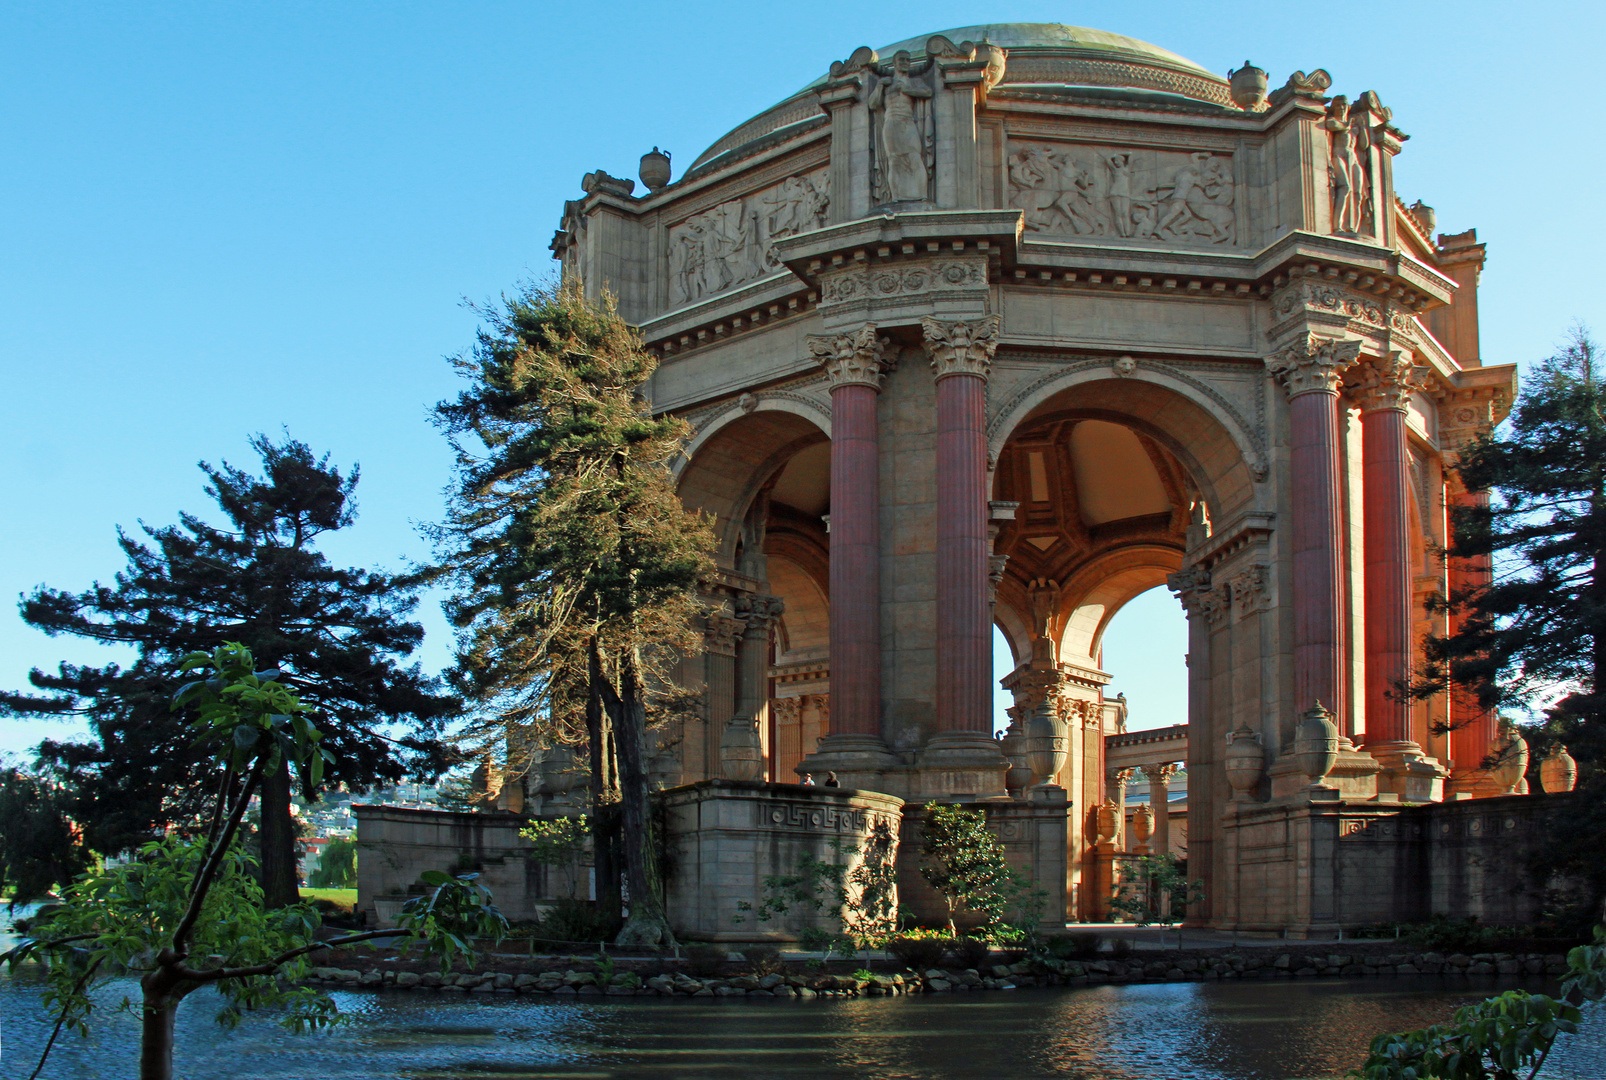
727	836
1317	867
395	845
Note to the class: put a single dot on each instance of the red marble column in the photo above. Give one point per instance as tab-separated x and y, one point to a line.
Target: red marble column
961	356
1385	480
855	561
1473	727
1310	371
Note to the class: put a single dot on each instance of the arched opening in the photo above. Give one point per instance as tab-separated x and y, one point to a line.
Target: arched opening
764	478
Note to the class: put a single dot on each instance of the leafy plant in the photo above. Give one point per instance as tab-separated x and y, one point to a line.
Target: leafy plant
855	889
763	959
920	952
962	859
704	959
864	974
337	865
188	913
560	842
1504	1038
604	968
1160	892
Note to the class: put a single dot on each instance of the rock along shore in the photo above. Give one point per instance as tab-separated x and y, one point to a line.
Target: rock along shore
638	978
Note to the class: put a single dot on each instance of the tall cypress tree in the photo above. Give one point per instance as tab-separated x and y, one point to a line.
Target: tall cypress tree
339	637
1538	628
575	564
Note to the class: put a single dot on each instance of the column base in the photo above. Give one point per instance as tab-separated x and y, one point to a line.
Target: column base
963	766
859	761
1408	772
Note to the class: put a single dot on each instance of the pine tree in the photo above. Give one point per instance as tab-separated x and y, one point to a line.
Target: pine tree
1538	627
574	562
338	636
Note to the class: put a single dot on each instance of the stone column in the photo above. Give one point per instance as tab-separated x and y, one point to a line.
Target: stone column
1384	392
854	363
1472	727
1159	800
1115	784
741	750
963	748
1310	371
720	635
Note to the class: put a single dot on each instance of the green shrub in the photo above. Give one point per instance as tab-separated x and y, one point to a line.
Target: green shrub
763	959
576	922
1074	946
919	953
972	951
704	960
1120	947
337	865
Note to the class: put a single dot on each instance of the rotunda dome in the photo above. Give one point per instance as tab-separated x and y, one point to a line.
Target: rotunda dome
1043	58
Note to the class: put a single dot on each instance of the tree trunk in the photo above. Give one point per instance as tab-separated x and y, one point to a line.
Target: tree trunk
158	1008
604	821
647	925
280	872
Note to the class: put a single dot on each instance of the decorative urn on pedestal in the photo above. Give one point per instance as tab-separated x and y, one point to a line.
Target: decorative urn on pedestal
1109	822
1510	753
1558	772
1045	743
1244	761
1316	744
1142	827
655	169
1013	746
741	753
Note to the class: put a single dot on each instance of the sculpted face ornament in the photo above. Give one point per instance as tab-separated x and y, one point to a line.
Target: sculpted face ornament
1124	366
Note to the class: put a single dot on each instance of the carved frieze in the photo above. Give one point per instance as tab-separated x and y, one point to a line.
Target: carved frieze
902	280
1125	192
960	347
1362	314
1314	364
734	243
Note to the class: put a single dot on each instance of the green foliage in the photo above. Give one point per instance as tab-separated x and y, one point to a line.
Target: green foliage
863	974
571	921
919	950
853	888
972	951
39	848
337	637
1503	1038
1160	878
604	967
557	841
763	959
1074	946
337	865
187	912
704	960
962	859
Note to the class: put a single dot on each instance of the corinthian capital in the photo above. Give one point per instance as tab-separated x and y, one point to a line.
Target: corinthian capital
851	359
961	348
1385	384
1314	365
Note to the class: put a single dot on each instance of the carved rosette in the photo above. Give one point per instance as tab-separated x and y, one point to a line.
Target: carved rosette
961	347
856	358
1313	365
1384	384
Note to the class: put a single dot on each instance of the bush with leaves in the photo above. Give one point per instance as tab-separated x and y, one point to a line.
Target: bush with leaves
919	949
188	913
337	865
855	888
1504	1038
962	859
1160	891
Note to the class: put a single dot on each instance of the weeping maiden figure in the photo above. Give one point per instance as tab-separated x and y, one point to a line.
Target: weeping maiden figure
902	135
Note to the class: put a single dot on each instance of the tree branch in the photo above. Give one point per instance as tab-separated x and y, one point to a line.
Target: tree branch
270	966
203	880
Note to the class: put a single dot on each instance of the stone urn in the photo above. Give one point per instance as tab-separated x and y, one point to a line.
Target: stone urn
1109	822
1244	761
1142	826
741	753
1510	751
655	169
1316	743
663	770
1426	215
1013	747
1248	86
1045	743
1558	772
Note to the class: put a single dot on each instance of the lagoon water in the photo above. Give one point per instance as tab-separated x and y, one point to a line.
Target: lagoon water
1184	1031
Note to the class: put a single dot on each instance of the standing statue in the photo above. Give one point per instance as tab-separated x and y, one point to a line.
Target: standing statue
1120	192
1346	169
903	131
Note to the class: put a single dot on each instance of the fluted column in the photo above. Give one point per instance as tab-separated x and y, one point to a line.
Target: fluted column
1383	394
1310	371
961	356
1159	777
1472	727
1115	784
856	365
741	749
962	758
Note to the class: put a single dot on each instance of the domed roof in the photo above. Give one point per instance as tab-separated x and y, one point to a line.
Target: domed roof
1042	56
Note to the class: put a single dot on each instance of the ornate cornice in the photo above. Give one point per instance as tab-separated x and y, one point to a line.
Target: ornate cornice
854	358
961	347
1313	364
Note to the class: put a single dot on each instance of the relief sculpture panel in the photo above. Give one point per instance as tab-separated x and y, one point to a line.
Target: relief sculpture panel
1171	195
734	242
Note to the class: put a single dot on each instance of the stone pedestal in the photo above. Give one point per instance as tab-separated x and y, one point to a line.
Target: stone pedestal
859	761
1408	773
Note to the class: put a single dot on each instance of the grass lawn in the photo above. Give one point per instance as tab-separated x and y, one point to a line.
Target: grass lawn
342	898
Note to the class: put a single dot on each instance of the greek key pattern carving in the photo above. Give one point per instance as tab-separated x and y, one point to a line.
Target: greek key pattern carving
814	818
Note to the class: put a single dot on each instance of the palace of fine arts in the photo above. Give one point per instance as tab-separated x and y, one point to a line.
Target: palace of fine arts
778	639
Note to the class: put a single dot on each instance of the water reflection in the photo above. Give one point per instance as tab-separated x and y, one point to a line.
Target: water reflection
1195	1031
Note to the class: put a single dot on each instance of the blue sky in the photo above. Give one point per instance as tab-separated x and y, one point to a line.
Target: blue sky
222	219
